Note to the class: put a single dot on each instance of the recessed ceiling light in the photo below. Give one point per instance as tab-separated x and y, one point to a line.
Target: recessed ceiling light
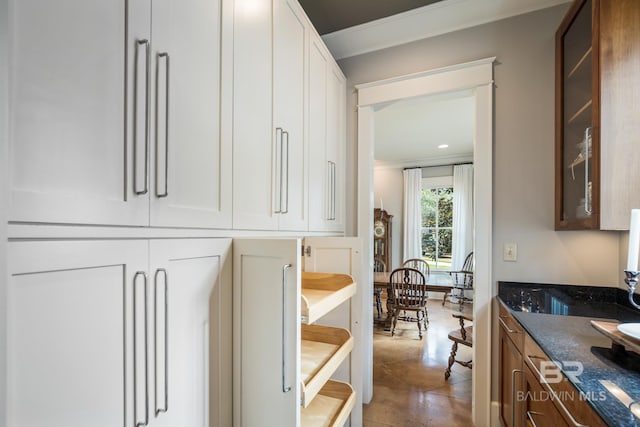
443	146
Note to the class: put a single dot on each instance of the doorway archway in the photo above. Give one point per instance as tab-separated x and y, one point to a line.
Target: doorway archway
476	76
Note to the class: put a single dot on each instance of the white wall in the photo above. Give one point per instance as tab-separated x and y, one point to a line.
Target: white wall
3	202
388	185
523	147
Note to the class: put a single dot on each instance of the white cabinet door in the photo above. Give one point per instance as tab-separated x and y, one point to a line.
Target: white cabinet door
320	184
191	154
290	40
266	330
78	132
254	150
190	340
71	314
336	146
327	139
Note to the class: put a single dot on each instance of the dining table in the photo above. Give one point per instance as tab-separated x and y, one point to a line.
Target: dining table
436	282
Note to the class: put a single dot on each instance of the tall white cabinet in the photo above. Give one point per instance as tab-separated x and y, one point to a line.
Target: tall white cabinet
107	120
138	131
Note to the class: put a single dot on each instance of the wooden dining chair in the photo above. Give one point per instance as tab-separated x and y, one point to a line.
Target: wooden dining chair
462	335
407	292
418	264
462	280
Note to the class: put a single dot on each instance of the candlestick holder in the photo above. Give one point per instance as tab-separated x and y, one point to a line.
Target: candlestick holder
631	280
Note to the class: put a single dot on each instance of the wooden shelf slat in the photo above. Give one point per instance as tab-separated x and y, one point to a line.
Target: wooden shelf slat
331	408
580	63
322	292
584	108
324	348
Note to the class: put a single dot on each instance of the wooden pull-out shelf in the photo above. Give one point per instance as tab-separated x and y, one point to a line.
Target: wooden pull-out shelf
323	350
322	292
331	407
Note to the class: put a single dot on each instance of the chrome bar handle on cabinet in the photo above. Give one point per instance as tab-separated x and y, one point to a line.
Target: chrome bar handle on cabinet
285	388
278	168
164	55
509	330
158	410
329	191
552	391
139	44
333	191
285	181
146	354
513	395
530	415
587	143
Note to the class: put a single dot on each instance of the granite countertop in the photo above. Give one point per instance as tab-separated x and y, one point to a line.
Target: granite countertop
567	336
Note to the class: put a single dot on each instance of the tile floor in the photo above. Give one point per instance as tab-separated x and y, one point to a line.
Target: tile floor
409	388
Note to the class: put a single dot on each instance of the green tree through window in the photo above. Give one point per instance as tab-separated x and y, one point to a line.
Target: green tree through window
437	222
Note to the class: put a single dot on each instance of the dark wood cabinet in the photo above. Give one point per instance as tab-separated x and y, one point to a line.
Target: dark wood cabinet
597	64
511	369
382	238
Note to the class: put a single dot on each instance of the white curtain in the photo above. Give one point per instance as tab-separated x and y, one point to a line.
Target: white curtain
412	213
462	214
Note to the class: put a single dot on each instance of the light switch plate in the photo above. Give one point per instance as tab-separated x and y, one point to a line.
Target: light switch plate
510	252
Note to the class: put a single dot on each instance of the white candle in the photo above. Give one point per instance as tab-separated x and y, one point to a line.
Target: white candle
381	205
634	240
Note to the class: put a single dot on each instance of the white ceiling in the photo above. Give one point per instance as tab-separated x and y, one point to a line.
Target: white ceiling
408	132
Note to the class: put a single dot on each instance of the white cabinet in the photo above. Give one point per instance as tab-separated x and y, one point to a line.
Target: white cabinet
114	333
327	139
95	109
269	146
284	363
191	153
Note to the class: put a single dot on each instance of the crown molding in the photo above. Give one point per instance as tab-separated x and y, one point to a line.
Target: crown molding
427	21
428	162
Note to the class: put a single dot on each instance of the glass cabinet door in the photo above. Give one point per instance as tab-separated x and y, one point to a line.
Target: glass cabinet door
577	112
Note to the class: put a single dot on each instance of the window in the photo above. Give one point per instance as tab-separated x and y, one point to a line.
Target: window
437	224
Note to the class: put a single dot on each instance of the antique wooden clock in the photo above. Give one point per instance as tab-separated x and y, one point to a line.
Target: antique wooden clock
382	237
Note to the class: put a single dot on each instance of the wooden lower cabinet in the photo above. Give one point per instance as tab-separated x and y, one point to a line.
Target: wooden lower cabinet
525	400
288	352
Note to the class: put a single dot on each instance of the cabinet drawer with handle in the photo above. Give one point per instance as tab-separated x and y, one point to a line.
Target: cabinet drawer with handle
511	327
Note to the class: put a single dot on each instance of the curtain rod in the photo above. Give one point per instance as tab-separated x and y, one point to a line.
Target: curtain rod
437	166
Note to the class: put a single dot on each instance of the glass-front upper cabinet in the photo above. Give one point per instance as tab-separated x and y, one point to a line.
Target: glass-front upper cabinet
577	119
597	120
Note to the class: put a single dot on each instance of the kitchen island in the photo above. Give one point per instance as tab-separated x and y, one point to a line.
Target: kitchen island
556	320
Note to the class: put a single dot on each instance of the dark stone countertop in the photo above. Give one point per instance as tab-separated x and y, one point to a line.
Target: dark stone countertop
558	317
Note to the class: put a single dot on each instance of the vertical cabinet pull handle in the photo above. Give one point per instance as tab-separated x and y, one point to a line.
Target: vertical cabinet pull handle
159	409
333	191
285	387
165	56
513	395
587	143
278	167
146	353
329	194
141	43
286	177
